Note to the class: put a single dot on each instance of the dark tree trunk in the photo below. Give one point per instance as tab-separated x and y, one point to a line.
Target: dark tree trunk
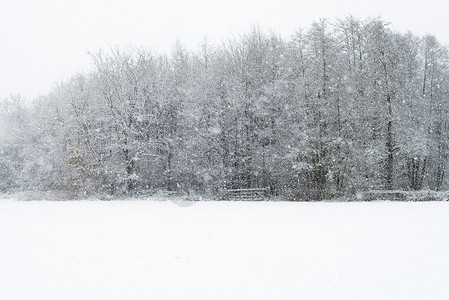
389	164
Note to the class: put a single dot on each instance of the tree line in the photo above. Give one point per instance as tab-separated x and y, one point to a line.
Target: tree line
341	107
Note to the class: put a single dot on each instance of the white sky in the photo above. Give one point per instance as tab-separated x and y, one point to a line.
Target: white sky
44	41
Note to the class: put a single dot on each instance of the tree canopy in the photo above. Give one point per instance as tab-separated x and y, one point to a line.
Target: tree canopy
340	107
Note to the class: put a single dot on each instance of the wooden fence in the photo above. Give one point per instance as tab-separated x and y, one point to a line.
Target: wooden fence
258	194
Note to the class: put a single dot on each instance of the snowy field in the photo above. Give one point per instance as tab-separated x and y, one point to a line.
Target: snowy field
223	250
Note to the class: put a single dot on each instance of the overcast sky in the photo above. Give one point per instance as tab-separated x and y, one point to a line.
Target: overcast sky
44	41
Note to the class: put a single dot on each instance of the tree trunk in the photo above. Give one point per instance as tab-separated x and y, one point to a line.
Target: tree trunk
389	164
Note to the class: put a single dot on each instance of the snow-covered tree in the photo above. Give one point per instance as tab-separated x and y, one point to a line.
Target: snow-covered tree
339	107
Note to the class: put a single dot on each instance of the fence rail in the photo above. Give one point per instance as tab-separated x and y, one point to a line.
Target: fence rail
257	194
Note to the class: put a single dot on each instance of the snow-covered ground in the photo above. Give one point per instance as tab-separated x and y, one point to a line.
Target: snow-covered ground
108	250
